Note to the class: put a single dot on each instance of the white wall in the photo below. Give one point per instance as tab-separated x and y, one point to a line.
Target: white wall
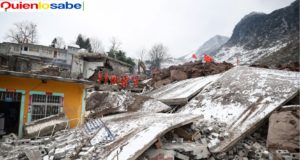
89	68
77	67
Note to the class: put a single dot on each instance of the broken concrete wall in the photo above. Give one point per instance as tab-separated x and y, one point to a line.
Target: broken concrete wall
101	103
178	93
46	126
242	98
284	130
77	67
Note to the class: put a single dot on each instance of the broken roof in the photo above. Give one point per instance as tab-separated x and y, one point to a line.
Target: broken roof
179	93
242	98
96	57
44	77
35	45
136	132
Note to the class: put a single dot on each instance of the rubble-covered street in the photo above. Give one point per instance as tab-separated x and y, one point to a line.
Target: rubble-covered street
150	80
237	114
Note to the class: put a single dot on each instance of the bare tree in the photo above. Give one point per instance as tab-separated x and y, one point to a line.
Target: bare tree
157	54
115	44
97	46
23	32
141	54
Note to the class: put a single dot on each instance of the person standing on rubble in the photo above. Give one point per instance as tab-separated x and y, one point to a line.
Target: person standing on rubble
99	77
111	79
208	59
124	82
136	81
106	78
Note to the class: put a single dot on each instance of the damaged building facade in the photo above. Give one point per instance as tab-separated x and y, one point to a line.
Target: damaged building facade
32	57
25	98
102	62
71	62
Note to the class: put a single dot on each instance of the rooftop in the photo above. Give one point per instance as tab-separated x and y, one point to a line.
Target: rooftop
94	57
44	77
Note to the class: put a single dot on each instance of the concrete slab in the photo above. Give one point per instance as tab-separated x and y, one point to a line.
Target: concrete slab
136	132
179	93
242	98
279	123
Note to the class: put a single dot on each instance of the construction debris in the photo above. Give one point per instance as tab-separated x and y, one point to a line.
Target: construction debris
178	93
226	117
292	66
52	70
242	98
136	132
65	144
187	70
284	130
46	126
103	103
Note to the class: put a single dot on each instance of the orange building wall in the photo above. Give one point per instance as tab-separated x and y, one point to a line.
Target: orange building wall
73	93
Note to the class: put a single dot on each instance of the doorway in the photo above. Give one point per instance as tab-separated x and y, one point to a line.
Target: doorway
10	107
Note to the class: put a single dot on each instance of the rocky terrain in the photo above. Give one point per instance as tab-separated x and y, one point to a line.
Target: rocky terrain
260	38
212	45
187	70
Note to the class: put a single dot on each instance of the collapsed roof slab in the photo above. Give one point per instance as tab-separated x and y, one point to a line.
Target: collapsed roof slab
242	98
179	93
136	132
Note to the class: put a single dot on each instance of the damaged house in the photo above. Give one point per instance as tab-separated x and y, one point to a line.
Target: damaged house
32	57
102	62
25	98
71	62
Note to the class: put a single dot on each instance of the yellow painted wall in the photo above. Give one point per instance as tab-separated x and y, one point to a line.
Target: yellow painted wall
72	93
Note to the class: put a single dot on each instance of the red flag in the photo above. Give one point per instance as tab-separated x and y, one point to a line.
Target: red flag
194	56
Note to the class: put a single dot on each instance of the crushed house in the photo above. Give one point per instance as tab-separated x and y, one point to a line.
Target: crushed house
26	97
102	62
32	57
71	62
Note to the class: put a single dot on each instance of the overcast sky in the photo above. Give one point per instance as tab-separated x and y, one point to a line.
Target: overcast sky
181	25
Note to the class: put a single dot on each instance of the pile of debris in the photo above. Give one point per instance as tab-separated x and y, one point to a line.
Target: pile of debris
196	141
224	118
65	144
101	103
46	126
187	70
293	66
52	70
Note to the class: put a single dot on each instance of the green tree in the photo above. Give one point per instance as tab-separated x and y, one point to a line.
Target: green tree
80	41
53	43
88	45
131	62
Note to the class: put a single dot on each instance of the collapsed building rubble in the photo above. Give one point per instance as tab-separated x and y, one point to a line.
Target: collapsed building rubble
242	98
178	93
46	126
52	70
101	103
227	119
64	144
292	66
284	132
187	70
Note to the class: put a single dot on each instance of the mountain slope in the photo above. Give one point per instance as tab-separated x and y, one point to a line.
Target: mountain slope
210	46
257	36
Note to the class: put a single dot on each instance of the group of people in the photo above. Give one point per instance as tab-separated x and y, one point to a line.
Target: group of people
122	81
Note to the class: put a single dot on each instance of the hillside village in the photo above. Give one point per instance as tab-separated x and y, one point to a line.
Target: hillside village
234	98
